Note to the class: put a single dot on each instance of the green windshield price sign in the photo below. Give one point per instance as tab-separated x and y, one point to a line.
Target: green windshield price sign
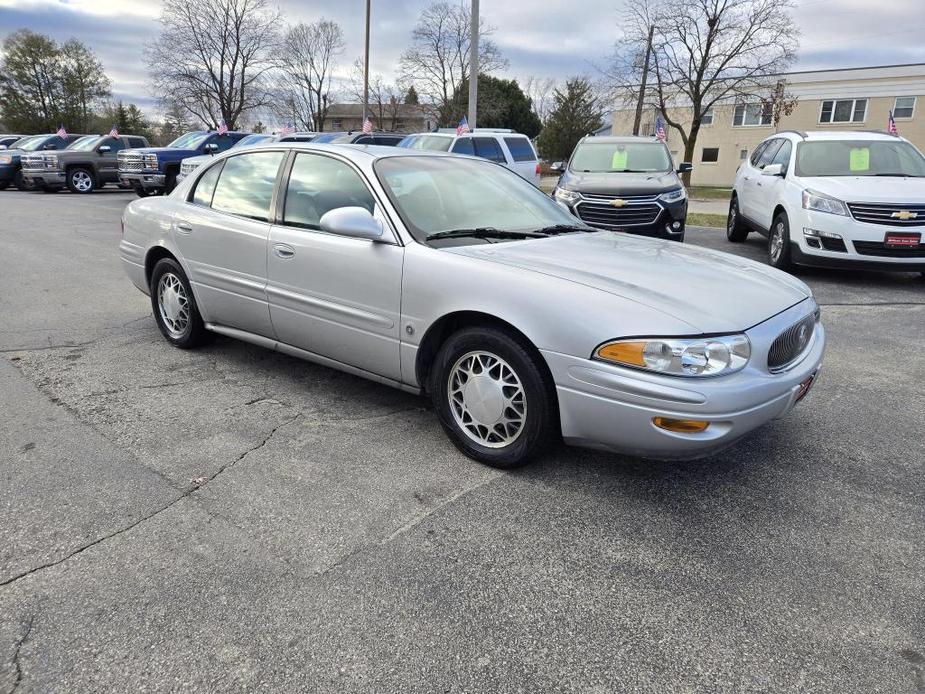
859	159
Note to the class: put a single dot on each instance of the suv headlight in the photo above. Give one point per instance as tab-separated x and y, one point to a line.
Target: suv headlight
697	357
569	197
673	195
823	203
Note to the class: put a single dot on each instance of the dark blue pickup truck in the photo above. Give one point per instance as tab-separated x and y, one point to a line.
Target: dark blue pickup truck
11	159
153	170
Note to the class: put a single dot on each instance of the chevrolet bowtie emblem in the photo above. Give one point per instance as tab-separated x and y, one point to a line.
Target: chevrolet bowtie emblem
617	202
903	215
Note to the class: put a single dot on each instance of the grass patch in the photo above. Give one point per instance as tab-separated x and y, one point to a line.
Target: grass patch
702	219
709	193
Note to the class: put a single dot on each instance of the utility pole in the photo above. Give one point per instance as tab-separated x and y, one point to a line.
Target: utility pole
473	64
642	85
366	69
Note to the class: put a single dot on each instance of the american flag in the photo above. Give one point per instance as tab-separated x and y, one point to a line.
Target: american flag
287	129
222	128
367	127
891	125
463	127
114	132
660	129
61	131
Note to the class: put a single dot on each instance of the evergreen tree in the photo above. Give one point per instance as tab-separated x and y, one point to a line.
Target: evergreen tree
411	97
575	114
501	104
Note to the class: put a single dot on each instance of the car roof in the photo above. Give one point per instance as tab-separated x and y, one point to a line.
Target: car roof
351	151
618	139
848	135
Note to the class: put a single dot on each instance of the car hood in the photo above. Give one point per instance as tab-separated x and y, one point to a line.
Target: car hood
712	292
869	188
620	183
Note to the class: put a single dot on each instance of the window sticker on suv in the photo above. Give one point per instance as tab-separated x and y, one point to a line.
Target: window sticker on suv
859	159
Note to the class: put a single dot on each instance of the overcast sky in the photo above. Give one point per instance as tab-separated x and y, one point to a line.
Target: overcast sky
546	38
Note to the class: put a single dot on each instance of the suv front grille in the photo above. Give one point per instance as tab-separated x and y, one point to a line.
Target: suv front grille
791	344
131	162
880	249
891	214
598	210
37	162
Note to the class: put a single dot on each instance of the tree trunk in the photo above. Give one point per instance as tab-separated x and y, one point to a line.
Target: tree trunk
689	149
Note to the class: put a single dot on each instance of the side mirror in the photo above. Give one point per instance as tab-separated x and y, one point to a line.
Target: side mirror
685	167
773	170
50	146
105	149
355	222
211	148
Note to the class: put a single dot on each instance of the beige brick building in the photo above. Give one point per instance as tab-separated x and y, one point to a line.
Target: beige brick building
842	99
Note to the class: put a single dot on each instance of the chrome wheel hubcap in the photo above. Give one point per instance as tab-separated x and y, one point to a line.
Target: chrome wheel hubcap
487	399
730	225
173	304
777	241
82	181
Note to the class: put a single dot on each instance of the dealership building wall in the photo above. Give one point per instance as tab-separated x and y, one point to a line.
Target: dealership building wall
822	96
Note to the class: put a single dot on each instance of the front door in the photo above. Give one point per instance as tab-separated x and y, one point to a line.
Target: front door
108	165
222	231
769	189
335	296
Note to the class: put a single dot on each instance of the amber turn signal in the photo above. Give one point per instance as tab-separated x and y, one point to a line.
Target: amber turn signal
624	353
680	426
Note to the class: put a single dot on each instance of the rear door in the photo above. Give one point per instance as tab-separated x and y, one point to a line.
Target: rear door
523	157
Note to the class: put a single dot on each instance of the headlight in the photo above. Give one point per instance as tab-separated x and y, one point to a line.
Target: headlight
6	159
673	195
823	203
51	161
569	197
709	356
151	161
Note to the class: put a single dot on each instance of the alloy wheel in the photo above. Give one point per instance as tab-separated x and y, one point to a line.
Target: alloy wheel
487	399
82	181
173	304
777	241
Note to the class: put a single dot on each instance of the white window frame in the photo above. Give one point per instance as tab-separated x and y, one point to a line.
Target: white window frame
854	105
909	117
707	114
761	115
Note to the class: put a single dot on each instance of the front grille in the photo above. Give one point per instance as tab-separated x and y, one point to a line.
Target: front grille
880	249
598	210
882	213
791	344
38	162
129	162
831	244
186	169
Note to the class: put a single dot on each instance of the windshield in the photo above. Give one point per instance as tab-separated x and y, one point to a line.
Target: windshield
434	143
23	141
189	141
438	194
86	143
35	143
618	157
859	158
255	139
327	137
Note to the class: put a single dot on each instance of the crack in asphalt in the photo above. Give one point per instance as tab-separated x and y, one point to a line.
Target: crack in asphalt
17	667
198	484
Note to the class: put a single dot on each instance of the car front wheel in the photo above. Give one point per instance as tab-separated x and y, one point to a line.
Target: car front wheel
779	242
493	397
81	181
174	306
736	231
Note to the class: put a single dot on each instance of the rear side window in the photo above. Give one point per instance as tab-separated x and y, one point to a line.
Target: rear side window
520	148
205	186
463	146
245	185
319	184
488	148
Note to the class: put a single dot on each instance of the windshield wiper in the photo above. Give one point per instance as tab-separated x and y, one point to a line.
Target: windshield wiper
483	233
898	175
554	229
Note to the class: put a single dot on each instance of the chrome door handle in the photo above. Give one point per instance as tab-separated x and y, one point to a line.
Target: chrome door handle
184	228
283	251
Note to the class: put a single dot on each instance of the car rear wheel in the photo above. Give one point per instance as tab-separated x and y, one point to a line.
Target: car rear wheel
779	242
80	180
174	306
4	185
736	231
493	398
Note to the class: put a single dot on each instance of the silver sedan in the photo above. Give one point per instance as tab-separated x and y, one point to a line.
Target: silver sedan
452	276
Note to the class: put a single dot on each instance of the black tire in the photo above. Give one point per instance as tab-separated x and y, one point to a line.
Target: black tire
21	183
81	180
193	333
4	185
142	192
779	257
170	182
736	231
539	424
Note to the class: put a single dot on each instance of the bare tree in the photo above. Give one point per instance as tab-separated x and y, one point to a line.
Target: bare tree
438	59
541	90
704	52
385	98
213	57
309	58
780	102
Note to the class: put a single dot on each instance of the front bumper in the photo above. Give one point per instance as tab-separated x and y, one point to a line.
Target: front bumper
47	178
141	179
612	408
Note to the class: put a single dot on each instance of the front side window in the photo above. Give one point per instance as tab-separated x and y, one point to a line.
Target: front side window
319	184
189	140
859	158
488	148
904	107
85	144
767	156
224	142
751	115
205	186
709	155
843	111
245	185
759	150
783	155
620	157
520	148
464	146
115	144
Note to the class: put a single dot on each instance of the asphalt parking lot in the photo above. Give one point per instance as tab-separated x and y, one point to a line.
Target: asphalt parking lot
233	519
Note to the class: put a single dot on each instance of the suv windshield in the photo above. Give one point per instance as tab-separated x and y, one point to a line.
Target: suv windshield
86	143
434	143
189	141
617	157
859	158
440	194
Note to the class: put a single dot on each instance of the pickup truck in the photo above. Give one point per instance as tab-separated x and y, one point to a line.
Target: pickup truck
10	159
154	170
86	165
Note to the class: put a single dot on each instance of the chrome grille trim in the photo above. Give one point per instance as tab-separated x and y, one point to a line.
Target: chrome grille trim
130	161
793	344
881	213
597	210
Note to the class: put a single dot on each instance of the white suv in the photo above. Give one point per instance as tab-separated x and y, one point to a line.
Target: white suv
833	199
510	149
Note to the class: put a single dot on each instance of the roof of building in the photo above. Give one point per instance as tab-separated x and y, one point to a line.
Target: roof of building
348	110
